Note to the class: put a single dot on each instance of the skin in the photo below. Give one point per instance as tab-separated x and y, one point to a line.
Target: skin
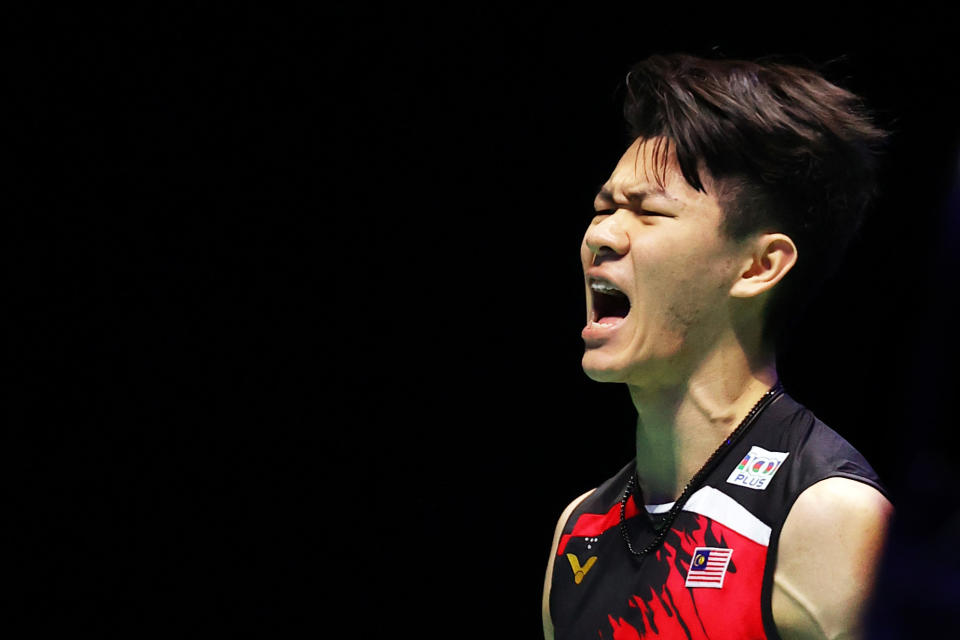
691	355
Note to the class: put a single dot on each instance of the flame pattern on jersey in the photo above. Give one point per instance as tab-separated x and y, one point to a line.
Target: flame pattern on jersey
657	604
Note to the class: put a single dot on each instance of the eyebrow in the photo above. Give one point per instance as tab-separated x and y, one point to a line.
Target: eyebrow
633	196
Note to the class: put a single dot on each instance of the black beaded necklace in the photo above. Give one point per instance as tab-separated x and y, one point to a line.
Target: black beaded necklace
732	439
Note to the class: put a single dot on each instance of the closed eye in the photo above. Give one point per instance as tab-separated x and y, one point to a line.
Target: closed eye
644	212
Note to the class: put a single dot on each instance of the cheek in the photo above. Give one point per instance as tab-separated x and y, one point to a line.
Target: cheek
689	289
685	312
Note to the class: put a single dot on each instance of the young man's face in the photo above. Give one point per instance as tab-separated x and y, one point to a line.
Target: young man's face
672	269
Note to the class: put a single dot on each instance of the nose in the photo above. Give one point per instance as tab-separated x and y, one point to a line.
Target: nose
607	238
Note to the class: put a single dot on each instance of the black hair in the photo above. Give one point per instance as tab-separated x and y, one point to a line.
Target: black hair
791	152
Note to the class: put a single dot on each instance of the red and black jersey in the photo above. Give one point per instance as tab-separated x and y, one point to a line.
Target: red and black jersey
712	577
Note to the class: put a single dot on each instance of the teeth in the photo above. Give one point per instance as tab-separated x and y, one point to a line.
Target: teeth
603	287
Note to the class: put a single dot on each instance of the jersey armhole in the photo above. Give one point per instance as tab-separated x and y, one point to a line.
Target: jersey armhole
548	579
851	476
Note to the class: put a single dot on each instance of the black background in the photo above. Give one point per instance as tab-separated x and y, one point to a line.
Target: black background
296	305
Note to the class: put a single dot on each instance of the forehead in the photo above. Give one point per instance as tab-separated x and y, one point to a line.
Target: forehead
649	168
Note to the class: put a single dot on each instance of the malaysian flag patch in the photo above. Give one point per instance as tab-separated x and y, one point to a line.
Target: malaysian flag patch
708	567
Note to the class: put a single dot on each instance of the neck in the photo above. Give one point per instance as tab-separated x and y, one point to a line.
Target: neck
679	426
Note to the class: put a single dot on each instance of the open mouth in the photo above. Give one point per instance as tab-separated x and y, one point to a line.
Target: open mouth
610	305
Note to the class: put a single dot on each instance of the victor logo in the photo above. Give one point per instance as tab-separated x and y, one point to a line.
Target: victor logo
757	468
578	571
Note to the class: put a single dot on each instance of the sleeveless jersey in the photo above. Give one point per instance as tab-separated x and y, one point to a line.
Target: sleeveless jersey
712	576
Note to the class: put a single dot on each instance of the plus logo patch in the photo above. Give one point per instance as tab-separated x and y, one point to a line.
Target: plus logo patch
757	468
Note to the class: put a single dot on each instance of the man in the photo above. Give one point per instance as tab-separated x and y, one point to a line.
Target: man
742	515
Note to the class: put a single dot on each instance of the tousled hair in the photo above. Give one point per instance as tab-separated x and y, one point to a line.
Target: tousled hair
790	151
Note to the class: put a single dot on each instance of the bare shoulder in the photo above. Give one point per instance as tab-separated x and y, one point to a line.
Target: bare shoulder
547	620
830	546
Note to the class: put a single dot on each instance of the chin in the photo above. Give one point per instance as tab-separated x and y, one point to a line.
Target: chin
600	371
604	376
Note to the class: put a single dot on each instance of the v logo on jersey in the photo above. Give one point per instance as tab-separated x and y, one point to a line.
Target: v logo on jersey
578	571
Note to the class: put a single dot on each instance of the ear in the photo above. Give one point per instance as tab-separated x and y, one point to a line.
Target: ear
773	255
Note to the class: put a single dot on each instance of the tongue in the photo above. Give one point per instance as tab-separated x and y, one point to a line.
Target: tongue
609	320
